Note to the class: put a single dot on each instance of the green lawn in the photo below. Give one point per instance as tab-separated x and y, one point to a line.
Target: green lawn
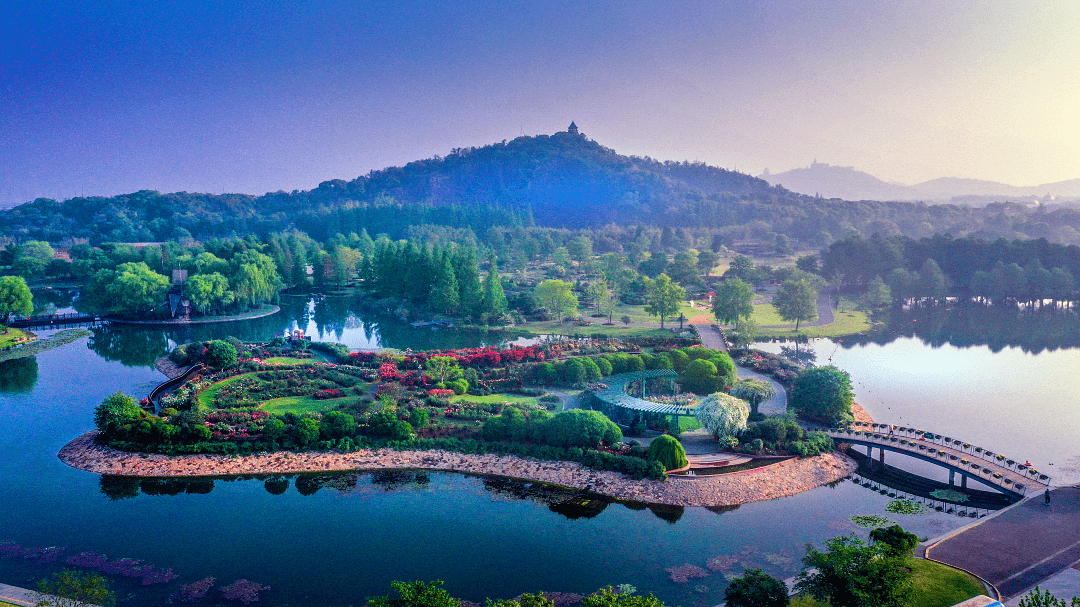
300	404
206	397
6	604
287	360
938	585
687	423
9	336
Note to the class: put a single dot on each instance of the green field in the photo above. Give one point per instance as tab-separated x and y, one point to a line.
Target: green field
206	397
493	398
938	585
300	404
287	360
9	336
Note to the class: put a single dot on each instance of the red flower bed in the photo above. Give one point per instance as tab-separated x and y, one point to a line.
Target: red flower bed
325	394
440	392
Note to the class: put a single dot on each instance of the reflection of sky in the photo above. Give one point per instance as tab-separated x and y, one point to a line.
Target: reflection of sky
1011	402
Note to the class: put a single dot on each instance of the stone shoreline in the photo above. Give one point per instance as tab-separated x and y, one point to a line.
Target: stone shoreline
783	479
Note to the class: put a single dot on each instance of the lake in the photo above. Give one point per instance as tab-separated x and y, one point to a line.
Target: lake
336	539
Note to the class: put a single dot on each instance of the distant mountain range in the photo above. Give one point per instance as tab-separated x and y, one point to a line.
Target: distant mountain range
846	183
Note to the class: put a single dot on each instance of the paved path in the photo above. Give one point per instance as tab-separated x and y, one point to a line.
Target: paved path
19	596
711	338
1021	546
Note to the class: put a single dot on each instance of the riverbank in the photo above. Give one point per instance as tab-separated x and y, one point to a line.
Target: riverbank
781	480
261	311
44	344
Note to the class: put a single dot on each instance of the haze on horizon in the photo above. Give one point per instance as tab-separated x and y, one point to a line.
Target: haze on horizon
107	98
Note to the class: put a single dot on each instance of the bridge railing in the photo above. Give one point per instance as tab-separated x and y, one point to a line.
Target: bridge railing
921	441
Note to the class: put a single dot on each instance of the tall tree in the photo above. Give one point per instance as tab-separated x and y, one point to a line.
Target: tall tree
796	300
851	573
444	295
15	297
494	298
32	259
734	301
662	297
68	588
557	296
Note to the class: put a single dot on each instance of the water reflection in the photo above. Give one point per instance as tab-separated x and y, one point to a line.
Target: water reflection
965	324
570	503
18	374
335	319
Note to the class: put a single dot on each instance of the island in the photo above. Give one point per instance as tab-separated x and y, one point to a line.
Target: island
291	406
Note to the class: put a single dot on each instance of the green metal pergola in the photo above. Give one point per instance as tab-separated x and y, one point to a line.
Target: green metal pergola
617	402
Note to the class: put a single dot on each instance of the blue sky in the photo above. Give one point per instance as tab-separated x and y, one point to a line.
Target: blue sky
108	97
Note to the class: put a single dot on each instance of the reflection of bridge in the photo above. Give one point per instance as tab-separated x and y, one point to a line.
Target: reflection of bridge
995	470
52	320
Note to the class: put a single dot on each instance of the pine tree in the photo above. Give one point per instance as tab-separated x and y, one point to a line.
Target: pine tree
494	302
444	295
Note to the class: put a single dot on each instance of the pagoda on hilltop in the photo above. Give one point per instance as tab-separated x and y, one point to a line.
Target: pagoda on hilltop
572	129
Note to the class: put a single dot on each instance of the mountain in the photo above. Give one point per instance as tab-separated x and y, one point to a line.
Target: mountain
844	183
497	192
848	184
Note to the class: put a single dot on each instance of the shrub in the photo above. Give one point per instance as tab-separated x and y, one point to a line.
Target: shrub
756	589
580	428
220	354
823	394
668	451
722	414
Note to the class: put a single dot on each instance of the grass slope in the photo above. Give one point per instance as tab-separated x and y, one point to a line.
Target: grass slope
938	585
206	397
300	404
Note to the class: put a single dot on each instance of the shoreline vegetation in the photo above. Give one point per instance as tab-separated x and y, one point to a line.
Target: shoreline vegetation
261	311
783	479
44	344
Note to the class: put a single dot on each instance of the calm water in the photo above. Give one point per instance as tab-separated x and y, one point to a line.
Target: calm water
1016	403
334	540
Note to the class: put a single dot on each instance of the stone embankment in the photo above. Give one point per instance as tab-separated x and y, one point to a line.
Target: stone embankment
780	480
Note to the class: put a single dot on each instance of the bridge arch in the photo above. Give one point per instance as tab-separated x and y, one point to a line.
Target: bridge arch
957	456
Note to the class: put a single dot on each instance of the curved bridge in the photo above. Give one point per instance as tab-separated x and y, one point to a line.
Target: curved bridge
168	384
970	461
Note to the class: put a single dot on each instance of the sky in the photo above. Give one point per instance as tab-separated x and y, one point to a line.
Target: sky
108	97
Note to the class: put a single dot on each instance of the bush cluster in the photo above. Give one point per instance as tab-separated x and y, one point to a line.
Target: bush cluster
783	435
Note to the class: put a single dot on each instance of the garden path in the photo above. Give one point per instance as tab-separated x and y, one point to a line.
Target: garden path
711	338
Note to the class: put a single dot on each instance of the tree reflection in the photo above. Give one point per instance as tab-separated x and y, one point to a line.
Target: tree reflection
131	346
969	323
18	374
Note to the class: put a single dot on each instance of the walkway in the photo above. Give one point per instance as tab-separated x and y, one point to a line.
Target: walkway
1005	475
775	405
1021	546
22	596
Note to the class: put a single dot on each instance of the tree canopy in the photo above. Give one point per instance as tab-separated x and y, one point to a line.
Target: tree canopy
15	297
796	300
822	393
733	301
662	297
851	573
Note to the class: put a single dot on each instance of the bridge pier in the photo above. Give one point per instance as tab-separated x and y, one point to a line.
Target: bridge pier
963	481
952	477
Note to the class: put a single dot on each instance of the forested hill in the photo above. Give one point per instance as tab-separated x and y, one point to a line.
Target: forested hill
560	180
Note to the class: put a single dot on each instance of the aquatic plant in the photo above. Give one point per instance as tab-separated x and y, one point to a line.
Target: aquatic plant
905	506
724	562
949	495
683	573
243	590
196	590
870	521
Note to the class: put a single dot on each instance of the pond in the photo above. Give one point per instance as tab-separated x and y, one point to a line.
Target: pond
336	539
1017	397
